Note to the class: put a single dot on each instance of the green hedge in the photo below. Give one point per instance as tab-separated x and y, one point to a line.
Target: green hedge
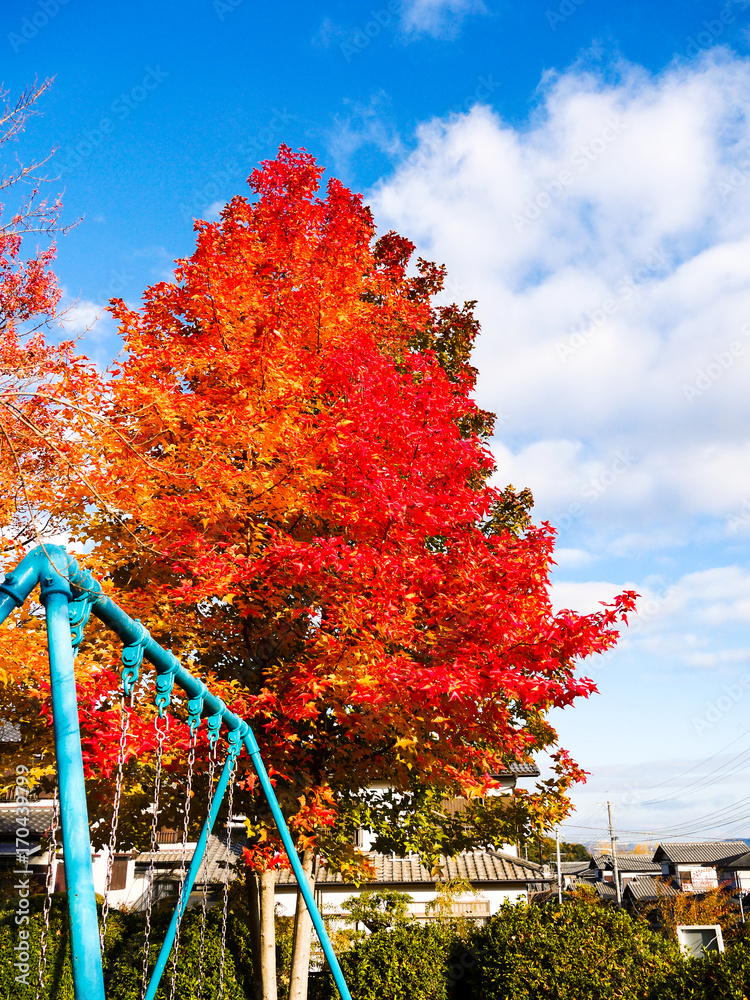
715	977
123	955
408	962
574	952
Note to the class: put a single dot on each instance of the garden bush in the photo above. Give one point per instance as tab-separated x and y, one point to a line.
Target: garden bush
715	977
573	952
123	955
408	962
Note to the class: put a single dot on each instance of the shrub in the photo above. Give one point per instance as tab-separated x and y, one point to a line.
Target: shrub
714	977
572	952
409	962
123	955
378	910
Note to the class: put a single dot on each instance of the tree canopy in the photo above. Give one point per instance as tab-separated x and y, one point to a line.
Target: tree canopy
287	479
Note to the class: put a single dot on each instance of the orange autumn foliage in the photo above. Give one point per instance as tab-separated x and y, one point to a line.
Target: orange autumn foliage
298	497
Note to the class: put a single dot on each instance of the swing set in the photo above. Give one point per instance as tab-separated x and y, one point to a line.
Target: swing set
69	596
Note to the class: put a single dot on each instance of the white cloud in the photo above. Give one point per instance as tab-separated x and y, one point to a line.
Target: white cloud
572	558
439	18
359	127
82	316
583	598
606	244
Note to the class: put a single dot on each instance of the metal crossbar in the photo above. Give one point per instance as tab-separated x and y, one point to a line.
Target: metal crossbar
70	594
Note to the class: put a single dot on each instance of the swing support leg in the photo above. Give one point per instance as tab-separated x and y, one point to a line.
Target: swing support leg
195	864
88	981
307	893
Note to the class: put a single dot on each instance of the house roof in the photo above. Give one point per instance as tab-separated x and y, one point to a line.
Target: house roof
627	863
37	822
646	888
523	770
573	867
706	852
9	732
605	890
475	866
212	869
735	861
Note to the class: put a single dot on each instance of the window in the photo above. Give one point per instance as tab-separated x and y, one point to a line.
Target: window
686	877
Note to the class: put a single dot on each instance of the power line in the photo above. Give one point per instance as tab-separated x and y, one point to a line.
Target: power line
699	764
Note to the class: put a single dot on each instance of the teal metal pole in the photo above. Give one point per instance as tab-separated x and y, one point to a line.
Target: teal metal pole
88	981
265	782
200	850
13	592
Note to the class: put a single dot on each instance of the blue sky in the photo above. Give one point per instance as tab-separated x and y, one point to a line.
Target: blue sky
582	168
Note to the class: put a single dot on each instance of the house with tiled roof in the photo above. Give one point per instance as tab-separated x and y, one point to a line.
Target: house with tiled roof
629	867
573	872
22	836
495	877
647	889
694	866
734	871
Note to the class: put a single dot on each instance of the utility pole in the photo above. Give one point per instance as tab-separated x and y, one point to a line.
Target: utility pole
559	871
613	841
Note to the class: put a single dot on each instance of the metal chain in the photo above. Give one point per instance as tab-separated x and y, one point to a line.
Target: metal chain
230	797
124	727
51	873
160	735
204	899
183	872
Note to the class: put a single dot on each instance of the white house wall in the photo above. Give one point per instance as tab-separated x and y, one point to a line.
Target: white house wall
331	898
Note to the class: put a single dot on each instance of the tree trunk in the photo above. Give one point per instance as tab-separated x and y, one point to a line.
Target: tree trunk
253	907
267	880
302	938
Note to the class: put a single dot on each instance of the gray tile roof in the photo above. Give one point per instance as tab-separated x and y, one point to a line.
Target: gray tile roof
573	867
606	890
169	858
699	853
37	822
524	770
646	888
476	866
9	732
735	861
628	863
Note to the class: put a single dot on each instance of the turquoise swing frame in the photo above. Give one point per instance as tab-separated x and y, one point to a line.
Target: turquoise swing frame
69	596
